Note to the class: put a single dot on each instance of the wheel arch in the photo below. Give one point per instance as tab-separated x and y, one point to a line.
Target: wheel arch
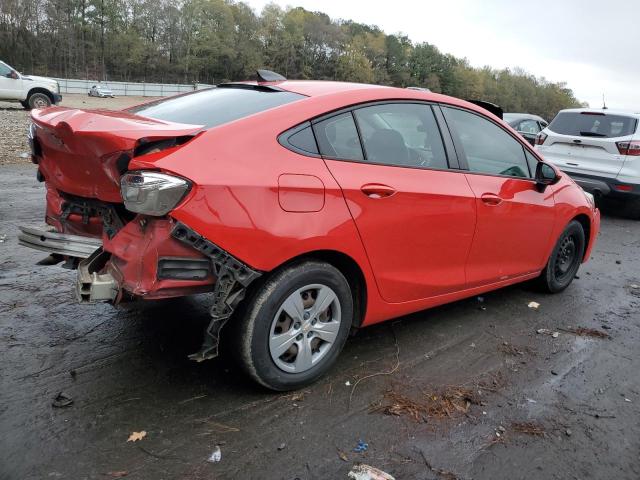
585	221
40	90
351	271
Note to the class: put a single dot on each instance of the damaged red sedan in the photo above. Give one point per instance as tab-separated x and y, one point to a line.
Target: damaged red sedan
307	208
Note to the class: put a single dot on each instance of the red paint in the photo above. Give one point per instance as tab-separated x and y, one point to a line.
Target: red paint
421	237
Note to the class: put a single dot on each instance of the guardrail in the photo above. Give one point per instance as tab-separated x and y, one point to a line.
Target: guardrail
68	85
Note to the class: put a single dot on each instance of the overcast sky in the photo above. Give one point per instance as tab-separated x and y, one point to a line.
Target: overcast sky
593	45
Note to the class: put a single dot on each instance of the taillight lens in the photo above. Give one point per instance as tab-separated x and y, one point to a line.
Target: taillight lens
629	148
540	138
152	193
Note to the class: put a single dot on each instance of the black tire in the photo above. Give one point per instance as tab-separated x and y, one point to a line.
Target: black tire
25	105
257	324
565	259
631	209
39	100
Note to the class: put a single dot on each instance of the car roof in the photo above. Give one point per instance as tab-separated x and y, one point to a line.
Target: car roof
317	88
606	111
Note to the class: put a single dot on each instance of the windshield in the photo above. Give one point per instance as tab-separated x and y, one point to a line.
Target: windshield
215	106
593	124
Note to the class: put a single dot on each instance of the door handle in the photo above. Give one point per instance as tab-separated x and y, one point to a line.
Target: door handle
490	199
377	190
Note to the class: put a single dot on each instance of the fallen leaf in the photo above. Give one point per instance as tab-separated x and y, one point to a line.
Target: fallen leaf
135	436
343	456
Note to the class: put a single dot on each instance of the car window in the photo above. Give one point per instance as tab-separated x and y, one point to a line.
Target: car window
215	106
528	126
593	124
403	134
300	140
4	70
338	137
488	148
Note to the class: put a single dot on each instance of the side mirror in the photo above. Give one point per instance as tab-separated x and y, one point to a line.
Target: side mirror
545	176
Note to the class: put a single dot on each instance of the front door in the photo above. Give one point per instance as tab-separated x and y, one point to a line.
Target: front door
514	219
415	217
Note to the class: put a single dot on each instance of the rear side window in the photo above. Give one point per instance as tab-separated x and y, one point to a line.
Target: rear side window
528	126
338	138
215	106
488	148
596	124
401	134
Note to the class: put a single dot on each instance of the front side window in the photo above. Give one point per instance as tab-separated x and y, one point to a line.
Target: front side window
401	134
338	138
488	148
4	70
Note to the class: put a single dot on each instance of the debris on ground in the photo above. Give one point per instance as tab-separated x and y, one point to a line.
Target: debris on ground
534	305
587	332
347	383
282	446
135	436
343	456
441	472
62	400
361	447
529	428
445	403
118	474
216	455
513	350
634	286
546	331
2	238
367	472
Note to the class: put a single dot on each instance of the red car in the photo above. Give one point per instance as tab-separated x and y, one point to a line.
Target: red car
308	208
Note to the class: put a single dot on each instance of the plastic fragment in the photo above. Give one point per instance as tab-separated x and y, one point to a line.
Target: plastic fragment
216	455
62	400
534	305
361	447
367	472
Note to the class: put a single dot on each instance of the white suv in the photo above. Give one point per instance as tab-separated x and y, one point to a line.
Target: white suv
29	90
600	150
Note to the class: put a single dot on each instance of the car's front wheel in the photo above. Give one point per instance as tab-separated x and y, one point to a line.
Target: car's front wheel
39	100
294	326
565	259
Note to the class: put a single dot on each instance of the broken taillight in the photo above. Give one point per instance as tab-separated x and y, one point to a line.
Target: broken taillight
152	193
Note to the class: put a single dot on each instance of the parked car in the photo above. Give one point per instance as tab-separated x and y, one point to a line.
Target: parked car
29	90
100	91
600	150
309	208
526	125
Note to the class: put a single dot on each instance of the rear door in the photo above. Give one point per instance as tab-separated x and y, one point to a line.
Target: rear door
415	216
514	219
586	142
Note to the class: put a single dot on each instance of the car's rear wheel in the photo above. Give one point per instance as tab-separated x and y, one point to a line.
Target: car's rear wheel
565	259
293	327
39	100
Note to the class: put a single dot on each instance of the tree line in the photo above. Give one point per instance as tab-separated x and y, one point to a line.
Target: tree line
212	41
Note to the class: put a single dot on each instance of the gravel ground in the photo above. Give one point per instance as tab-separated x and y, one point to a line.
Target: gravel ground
14	121
520	404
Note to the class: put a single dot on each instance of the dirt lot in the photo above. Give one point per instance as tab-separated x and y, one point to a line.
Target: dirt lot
469	390
14	121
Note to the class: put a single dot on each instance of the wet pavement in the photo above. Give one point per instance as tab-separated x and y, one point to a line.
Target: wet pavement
565	407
